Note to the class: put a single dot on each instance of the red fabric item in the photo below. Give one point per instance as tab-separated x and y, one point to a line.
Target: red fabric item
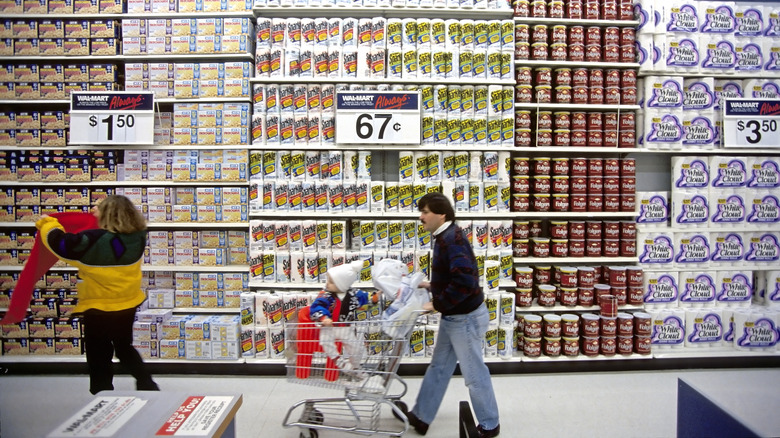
39	263
308	343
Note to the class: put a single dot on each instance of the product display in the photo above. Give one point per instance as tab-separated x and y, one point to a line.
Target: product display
536	119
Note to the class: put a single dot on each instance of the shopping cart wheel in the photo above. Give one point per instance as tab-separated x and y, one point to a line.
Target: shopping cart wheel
402	407
312	434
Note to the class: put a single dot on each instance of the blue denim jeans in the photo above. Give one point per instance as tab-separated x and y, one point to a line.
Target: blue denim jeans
460	341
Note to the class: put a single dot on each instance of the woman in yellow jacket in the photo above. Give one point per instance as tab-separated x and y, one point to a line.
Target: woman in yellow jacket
109	262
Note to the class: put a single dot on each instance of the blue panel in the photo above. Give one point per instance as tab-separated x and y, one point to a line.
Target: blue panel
698	416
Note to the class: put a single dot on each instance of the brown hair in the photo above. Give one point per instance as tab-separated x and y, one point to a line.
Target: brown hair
437	203
118	214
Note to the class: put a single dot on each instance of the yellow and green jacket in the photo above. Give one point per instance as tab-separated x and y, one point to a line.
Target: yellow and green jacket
109	264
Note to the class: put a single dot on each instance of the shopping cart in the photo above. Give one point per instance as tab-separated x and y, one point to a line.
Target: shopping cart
377	348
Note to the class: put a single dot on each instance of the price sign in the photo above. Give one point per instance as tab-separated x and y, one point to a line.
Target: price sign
378	117
111	117
751	123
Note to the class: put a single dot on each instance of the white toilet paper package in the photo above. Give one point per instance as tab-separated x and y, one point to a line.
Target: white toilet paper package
392	278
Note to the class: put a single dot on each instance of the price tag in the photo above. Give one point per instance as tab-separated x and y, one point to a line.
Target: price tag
751	123
111	117
378	117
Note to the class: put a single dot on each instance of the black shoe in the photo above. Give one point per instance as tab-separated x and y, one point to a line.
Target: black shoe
488	433
419	426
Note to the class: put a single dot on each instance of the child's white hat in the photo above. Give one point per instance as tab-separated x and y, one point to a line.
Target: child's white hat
344	275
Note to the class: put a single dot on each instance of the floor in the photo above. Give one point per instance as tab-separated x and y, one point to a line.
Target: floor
614	404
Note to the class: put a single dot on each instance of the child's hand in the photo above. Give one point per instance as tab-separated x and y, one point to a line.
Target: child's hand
375	297
327	322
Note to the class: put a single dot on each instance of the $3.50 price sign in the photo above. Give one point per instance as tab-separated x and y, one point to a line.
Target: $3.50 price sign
112	117
751	123
378	117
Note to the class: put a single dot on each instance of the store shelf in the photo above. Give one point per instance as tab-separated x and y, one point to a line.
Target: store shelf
573	260
20	59
576	106
569	150
175	57
350	147
706	353
207	311
188	225
576	22
583	358
144	15
144	183
717	75
321	284
665	267
126	147
376	11
194	268
314	214
699	151
35	102
150	268
420	81
242	99
570	309
557	64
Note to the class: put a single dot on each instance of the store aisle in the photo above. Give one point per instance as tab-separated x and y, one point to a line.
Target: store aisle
625	404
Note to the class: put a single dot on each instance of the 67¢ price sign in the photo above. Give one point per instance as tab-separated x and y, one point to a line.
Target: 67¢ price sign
381	118
751	123
112	118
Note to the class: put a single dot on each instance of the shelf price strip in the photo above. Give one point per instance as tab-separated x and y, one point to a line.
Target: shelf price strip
114	117
751	123
381	118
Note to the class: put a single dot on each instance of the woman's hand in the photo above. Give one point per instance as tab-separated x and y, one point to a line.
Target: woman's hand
425	285
428	307
327	322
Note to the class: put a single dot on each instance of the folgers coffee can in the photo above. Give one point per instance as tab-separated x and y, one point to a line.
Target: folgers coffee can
579	121
560	185
611	247
573	9
608	326
611	167
524	93
542	274
523	119
551	325
593	247
523	75
576	229
532	327
577	52
595	137
593	35
578	203
558	51
585	296
559	247
539	51
635	276
552	346
546	295
538	8
523	297
522	33
570	325
522	50
642	324
590	346
608	345
625	53
579	138
558	34
590	325
612	95
562	137
543	76
612	78
627	247
521	166
629	96
560	202
521	184
521	247
541	202
541	165
627	185
544	120
627	121
590	10
543	93
595	167
520	229
563	94
608	305
556	9
612	203
628	79
576	247
626	139
621	293
532	347
642	344
610	229
625	345
562	120
625	324
596	95
535	228
540	247
524	277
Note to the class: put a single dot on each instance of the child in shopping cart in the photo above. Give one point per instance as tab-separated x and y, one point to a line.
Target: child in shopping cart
336	304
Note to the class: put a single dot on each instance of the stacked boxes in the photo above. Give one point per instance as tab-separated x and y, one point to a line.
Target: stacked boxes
187	36
59	37
193	248
190	80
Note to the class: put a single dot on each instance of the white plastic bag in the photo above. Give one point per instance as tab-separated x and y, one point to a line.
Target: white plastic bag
391	277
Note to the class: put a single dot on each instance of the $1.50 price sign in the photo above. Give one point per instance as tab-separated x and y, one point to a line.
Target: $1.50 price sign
378	117
751	123
112	117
